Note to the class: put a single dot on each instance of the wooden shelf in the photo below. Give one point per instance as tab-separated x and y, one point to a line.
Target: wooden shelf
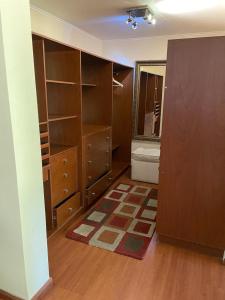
43	134
60	82
45	145
43	123
53	118
115	147
89	129
118	167
88	84
45	156
55	149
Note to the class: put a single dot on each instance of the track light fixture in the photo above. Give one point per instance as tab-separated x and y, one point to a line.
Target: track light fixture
143	12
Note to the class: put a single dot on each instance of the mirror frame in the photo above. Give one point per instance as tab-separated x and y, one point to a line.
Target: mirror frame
136	98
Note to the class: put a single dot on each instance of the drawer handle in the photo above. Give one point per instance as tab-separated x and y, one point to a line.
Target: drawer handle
110	178
107	165
89	146
89	177
66	191
107	151
65	161
70	209
90	162
65	175
107	137
93	194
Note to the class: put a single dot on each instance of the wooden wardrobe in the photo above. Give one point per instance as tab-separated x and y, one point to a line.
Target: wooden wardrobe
192	164
85	126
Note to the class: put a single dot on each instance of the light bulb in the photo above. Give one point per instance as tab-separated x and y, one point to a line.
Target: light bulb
129	20
134	25
149	17
153	21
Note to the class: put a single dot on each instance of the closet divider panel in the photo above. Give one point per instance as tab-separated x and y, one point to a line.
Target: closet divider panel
192	166
122	119
40	78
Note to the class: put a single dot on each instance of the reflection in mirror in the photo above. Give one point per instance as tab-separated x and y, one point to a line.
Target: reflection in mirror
149	99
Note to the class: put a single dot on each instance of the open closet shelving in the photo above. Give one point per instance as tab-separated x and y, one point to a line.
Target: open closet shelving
84	106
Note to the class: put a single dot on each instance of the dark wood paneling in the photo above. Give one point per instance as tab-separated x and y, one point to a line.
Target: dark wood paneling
192	169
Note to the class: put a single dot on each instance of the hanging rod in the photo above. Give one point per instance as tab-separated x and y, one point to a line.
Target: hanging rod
117	83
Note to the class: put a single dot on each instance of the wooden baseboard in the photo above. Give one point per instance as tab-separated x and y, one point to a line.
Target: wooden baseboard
46	287
190	245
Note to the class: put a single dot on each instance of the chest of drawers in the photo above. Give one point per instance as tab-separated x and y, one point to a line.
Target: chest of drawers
63	175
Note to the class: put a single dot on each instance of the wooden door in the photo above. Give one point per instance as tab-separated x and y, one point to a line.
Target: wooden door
192	168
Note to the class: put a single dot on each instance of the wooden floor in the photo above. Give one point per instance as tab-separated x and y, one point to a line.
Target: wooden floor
82	272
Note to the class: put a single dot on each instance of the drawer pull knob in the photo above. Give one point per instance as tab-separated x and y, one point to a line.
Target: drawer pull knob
65	161
89	177
65	175
90	162
66	191
93	194
70	209
89	146
107	165
110	178
107	137
107	151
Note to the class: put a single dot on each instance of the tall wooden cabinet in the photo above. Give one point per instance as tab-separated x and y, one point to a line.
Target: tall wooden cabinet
192	164
85	126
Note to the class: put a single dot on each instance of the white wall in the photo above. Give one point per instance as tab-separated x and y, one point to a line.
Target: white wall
48	25
130	50
23	244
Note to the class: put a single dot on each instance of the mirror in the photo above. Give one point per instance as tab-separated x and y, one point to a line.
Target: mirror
149	95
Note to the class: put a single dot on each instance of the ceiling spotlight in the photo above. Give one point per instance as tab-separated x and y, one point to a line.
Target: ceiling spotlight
150	17
129	20
134	25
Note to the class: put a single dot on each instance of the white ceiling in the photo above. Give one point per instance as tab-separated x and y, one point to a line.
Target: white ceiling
105	19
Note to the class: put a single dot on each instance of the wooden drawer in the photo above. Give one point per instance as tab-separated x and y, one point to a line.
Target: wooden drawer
64	180
94	191
66	210
98	155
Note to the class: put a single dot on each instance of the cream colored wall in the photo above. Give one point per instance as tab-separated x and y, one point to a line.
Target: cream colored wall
157	70
48	25
23	244
155	48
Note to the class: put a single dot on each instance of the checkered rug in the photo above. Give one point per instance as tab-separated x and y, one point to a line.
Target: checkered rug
123	221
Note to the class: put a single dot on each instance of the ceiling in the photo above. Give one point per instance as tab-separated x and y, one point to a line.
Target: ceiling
105	19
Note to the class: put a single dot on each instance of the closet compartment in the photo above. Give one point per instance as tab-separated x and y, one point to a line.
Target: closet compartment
63	134
64	169
96	90
39	67
62	63
97	152
98	188
66	210
122	118
63	100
